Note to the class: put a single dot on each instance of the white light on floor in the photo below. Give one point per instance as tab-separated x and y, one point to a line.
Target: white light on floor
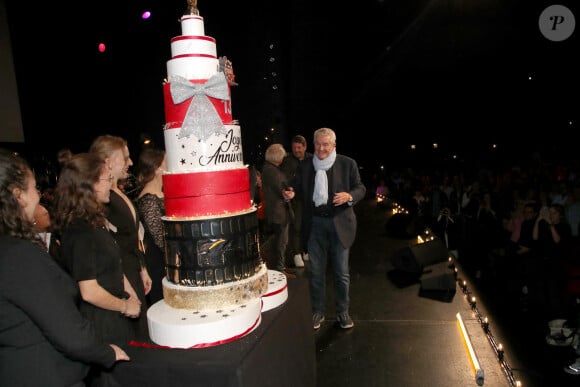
471	352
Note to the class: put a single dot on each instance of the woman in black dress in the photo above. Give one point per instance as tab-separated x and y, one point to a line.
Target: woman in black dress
44	339
151	205
124	223
89	252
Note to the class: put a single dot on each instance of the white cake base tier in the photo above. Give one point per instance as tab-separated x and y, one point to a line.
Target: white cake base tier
277	292
182	328
186	328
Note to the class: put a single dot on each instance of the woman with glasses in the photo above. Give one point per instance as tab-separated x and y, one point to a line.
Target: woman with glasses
124	221
44	339
89	252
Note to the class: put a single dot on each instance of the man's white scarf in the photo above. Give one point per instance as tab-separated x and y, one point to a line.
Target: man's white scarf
320	194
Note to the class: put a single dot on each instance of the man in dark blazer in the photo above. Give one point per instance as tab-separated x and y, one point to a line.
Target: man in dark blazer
296	244
277	208
330	185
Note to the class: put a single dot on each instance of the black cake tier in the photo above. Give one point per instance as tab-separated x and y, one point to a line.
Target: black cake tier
212	251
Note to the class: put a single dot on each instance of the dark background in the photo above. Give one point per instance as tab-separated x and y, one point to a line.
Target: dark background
383	74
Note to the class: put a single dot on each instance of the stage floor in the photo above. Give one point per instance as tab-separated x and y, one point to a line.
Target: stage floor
403	339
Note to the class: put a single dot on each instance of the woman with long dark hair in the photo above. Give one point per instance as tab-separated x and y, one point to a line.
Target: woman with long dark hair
44	339
151	206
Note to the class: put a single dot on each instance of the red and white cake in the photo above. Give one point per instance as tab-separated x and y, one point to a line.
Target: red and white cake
200	135
216	281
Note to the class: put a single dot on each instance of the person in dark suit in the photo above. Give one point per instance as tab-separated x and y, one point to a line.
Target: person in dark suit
330	185
44	339
290	164
277	208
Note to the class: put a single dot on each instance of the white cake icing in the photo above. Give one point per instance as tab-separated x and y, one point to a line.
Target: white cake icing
193	55
185	45
277	292
192	25
217	153
183	328
188	328
193	67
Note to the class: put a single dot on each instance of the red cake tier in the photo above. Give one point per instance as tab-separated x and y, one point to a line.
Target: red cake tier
206	193
175	113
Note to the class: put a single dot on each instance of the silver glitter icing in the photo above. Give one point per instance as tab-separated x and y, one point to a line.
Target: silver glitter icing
201	120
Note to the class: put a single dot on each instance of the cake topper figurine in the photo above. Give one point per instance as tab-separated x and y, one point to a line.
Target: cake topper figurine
192	7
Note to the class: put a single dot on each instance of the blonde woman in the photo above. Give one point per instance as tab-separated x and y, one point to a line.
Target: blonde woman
124	222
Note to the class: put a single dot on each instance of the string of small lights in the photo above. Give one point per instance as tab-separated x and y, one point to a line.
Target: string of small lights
426	236
484	322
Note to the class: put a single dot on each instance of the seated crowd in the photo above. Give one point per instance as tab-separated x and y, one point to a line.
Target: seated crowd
515	232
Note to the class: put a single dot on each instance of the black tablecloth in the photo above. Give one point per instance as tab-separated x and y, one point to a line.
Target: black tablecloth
279	352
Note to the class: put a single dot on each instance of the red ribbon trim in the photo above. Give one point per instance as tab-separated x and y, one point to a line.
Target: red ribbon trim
134	343
276	292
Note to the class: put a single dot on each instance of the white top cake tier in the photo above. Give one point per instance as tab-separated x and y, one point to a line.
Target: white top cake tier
193	55
192	25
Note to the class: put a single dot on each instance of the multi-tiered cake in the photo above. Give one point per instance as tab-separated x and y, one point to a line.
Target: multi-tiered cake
216	284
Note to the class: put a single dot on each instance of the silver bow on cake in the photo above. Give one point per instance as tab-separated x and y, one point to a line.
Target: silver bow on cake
202	120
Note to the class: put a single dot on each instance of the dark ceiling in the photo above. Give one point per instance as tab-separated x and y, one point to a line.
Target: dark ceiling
402	70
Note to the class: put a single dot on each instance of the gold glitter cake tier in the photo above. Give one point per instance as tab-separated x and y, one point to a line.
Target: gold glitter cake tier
215	297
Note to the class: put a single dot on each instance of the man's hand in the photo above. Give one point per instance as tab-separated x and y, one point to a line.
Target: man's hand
288	193
341	198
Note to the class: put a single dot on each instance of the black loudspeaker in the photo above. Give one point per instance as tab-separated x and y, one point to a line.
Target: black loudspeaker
438	282
415	258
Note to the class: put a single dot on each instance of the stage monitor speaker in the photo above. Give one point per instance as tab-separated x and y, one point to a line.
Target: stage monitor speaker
438	281
415	258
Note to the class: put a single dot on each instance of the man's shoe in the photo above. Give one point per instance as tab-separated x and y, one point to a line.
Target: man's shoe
344	320
317	319
298	260
574	368
305	256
